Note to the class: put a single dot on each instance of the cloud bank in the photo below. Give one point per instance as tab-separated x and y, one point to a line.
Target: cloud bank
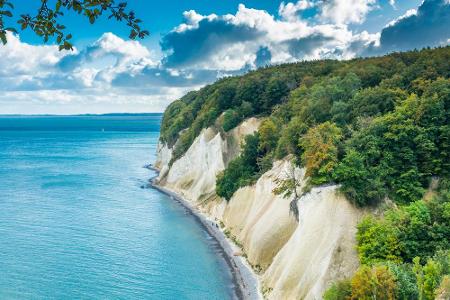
113	74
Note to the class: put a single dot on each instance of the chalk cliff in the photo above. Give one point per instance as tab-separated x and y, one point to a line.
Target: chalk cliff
294	260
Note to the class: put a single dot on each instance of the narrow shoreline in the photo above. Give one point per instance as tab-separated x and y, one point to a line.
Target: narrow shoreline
245	282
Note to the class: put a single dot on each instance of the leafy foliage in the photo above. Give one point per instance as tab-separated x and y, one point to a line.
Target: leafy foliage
399	151
46	21
373	283
230	119
341	290
418	229
377	241
413	243
379	127
320	154
397	281
240	171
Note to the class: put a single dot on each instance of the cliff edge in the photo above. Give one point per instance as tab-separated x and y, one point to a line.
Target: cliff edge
293	260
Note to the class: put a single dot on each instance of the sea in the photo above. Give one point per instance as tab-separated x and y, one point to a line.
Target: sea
78	220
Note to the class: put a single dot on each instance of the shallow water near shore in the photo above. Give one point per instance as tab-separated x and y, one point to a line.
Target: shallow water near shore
76	222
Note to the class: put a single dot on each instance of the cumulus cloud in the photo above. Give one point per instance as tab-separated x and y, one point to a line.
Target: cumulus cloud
289	11
348	11
233	42
429	25
114	74
35	77
205	39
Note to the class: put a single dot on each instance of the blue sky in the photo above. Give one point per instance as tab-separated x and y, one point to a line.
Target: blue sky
195	42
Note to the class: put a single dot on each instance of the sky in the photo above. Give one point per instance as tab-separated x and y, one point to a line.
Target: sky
195	42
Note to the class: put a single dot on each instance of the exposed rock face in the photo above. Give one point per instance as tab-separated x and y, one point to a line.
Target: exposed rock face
295	260
193	176
260	220
163	158
320	251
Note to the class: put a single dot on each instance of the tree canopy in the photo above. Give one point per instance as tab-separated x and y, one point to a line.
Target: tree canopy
45	22
377	126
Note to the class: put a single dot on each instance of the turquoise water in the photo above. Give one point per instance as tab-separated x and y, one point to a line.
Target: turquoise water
75	222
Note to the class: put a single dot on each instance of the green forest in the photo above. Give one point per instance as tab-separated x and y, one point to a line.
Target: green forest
379	127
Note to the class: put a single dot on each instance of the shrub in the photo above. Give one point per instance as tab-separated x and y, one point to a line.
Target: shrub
320	151
373	283
341	290
240	171
377	241
230	120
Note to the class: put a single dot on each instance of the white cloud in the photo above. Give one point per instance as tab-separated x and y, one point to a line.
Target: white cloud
42	79
192	19
231	42
409	13
348	11
114	74
22	58
290	10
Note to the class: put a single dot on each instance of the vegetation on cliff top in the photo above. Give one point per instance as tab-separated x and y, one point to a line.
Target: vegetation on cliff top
404	255
377	126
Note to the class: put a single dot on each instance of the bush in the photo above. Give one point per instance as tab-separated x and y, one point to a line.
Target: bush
230	120
240	171
377	241
268	135
320	151
360	184
373	283
443	292
341	290
405	280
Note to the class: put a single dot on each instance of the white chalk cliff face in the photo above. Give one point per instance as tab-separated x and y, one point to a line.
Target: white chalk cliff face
294	260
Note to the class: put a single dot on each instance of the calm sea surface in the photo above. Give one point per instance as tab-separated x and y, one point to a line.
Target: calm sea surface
75	222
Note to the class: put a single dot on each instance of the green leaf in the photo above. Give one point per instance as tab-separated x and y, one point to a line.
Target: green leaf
6	13
133	34
3	38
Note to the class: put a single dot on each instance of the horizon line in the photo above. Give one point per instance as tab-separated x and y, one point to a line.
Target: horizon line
80	115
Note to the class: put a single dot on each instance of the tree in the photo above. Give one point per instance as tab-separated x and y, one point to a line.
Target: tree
45	22
230	119
288	187
275	91
405	280
320	156
241	170
377	241
373	283
375	101
268	135
431	279
358	182
289	137
341	290
443	291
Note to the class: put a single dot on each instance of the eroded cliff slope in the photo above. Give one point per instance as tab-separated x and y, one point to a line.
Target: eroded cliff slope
294	260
